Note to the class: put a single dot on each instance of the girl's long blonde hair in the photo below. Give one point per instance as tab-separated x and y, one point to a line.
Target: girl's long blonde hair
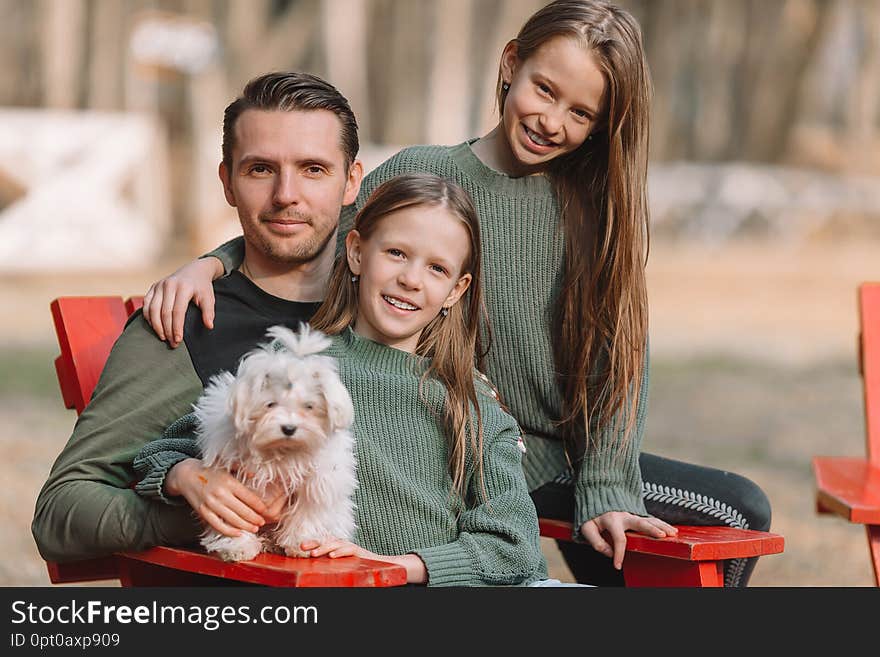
449	341
601	323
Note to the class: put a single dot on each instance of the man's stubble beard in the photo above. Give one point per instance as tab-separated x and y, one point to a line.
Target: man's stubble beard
295	254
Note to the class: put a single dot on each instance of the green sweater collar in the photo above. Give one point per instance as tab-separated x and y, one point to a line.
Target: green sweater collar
522	187
381	357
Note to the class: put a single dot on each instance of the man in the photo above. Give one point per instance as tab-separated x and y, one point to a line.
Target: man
289	148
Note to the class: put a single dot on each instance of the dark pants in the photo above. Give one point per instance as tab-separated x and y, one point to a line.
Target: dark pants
677	492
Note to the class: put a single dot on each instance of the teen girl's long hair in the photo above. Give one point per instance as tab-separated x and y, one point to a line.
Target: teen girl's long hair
451	341
600	328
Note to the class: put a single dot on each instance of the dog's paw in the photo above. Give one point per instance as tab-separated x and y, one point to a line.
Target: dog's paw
235	548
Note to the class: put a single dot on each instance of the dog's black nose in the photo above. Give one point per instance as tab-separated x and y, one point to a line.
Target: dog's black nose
288	429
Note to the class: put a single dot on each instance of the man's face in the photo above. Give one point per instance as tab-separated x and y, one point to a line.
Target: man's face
288	181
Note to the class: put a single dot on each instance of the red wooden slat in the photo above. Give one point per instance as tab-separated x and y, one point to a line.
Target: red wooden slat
691	543
848	487
133	303
873	532
277	570
87	570
86	328
869	305
652	570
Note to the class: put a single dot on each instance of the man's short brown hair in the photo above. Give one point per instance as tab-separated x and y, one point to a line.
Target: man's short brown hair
287	92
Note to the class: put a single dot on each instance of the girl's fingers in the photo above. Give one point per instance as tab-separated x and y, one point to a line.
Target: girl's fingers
153	312
168	296
325	548
148	300
275	507
235	514
217	523
659	525
646	526
590	531
618	538
665	526
206	303
347	550
178	315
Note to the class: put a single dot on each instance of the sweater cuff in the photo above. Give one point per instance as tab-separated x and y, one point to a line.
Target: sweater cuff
152	485
591	502
447	565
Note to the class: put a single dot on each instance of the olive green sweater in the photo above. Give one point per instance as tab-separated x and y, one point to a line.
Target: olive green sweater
522	269
403	497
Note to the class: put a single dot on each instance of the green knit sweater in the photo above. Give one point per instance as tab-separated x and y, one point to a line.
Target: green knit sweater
522	271
403	497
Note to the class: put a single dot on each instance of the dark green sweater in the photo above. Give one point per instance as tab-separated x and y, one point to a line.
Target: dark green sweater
403	497
522	269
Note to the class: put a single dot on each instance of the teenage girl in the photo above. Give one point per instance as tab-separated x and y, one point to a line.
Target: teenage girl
560	187
441	489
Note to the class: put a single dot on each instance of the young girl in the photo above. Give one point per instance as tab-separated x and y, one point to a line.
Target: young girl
560	187
441	489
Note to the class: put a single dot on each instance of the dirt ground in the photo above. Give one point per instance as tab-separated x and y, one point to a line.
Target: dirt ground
753	371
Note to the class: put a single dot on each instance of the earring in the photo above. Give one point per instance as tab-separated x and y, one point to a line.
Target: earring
444	312
505	87
590	137
354	278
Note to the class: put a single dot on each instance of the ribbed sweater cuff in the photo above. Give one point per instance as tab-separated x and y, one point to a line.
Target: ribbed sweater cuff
448	565
152	485
591	502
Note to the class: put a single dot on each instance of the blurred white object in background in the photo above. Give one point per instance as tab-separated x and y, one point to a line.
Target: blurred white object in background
81	190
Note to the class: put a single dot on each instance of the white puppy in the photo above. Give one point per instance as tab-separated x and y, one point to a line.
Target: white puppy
283	421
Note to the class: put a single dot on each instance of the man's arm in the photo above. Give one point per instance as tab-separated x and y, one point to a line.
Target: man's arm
86	508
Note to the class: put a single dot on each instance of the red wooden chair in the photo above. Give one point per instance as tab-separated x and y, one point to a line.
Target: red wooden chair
87	328
850	487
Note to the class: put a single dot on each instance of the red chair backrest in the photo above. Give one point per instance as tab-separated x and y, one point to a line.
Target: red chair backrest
869	310
86	328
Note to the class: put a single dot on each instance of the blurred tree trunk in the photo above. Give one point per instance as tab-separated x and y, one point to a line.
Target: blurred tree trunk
19	57
449	81
63	28
246	23
107	41
344	28
399	70
782	35
864	102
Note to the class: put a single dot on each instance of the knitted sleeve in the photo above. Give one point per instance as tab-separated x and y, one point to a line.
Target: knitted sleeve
610	479
498	541
230	253
156	459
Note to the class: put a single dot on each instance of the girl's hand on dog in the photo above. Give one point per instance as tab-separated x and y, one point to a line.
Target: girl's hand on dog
223	502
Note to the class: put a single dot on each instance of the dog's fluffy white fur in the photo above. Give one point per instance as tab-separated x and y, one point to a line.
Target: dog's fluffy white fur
284	419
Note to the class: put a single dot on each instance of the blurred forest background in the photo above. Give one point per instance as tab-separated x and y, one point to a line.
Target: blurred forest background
764	187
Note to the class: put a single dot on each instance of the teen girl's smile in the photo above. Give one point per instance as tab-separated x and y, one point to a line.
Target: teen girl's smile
553	103
410	269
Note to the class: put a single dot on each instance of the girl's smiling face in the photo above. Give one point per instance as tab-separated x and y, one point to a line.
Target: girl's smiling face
410	268
554	101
